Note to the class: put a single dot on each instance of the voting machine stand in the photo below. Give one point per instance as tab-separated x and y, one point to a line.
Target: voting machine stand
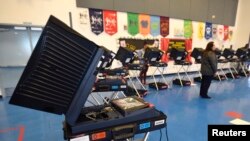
153	58
59	77
221	65
229	55
243	56
179	57
197	55
127	57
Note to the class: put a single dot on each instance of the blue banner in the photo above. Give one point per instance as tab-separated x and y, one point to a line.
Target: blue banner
208	31
96	20
155	25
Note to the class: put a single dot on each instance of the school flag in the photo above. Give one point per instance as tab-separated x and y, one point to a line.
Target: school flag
133	24
201	29
155	25
164	47
208	31
96	20
214	29
226	32
188	30
144	22
164	26
220	32
110	21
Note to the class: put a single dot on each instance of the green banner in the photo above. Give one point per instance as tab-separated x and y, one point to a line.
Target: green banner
188	30
133	23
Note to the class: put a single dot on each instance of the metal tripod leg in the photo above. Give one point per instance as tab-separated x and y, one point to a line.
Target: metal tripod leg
161	73
179	76
155	79
221	69
230	70
134	86
95	99
243	69
185	70
136	76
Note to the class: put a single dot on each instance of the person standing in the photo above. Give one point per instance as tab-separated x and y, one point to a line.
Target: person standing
143	62
208	69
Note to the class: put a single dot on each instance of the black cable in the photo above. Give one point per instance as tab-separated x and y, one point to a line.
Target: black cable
160	134
166	133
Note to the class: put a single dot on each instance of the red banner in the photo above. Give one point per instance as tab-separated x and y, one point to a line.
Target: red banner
164	48
188	44
226	32
164	26
110	21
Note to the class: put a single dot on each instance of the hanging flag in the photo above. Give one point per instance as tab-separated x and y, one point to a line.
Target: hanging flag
220	32
164	47
110	21
133	24
230	34
155	25
226	32
96	20
200	30
84	17
144	22
214	34
188	48
164	26
188	30
208	31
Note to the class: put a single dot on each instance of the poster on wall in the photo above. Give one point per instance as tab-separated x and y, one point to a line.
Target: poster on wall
133	24
96	20
188	30
110	21
84	17
177	43
214	29
135	44
201	30
155	25
226	32
144	24
220	32
208	31
164	26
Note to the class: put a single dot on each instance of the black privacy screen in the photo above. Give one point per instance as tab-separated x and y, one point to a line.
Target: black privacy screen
60	72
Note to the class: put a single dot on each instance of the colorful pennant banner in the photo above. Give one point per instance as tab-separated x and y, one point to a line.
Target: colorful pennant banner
144	27
110	21
220	32
226	32
214	34
155	25
164	26
188	30
96	20
208	31
201	30
133	24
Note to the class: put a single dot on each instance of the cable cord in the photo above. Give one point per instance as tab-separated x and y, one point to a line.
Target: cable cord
166	133
160	134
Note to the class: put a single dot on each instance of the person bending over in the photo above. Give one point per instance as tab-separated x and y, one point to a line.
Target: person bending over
208	69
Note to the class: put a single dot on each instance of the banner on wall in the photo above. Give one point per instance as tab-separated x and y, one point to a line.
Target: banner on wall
164	26
110	21
144	22
226	32
96	20
208	31
188	44
188	30
220	32
200	30
164	47
133	24
177	43
214	34
155	25
84	17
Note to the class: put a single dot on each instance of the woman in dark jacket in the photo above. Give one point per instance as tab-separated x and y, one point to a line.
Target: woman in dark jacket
208	69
